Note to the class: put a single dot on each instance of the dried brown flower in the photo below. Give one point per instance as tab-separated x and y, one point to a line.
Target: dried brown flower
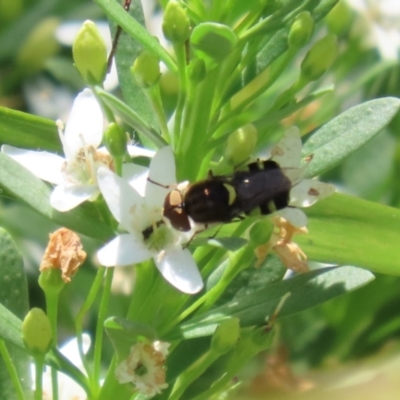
64	252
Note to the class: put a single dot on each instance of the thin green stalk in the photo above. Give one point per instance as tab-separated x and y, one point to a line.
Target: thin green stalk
154	96
100	327
52	311
275	73
181	63
5	355
39	364
81	314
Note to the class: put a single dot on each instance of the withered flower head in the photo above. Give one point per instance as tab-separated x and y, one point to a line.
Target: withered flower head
64	252
281	243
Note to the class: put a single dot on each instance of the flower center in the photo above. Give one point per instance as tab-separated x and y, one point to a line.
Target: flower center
157	236
82	170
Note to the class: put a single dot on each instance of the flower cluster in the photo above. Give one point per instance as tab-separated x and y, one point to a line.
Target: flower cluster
145	367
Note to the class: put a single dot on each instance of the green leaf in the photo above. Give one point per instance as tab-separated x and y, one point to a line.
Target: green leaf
13	283
124	333
228	243
10	332
127	52
130	117
116	13
343	135
25	186
306	291
10	328
346	230
28	131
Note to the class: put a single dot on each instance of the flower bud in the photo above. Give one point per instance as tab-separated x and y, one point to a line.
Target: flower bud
90	54
38	47
196	70
116	140
176	24
339	19
146	69
319	58
36	332
241	144
301	30
225	336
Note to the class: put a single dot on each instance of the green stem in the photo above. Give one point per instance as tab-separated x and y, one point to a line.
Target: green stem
192	373
39	364
181	63
81	314
52	311
5	355
154	96
100	327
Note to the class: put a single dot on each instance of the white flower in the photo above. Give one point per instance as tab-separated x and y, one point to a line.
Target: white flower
145	367
68	389
147	233
75	176
379	25
304	192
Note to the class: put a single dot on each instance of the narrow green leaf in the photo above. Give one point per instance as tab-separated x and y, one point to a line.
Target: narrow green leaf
129	116
28	131
343	135
127	52
347	230
10	328
25	186
13	284
115	12
306	291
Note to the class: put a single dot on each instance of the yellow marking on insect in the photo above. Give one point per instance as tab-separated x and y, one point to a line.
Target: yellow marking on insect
231	193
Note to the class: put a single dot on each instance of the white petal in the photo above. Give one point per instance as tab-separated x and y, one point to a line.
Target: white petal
294	215
125	204
162	172
136	151
180	270
123	250
44	165
71	351
85	123
65	198
287	153
308	191
136	176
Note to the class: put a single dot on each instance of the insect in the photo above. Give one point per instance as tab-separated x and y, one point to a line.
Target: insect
225	198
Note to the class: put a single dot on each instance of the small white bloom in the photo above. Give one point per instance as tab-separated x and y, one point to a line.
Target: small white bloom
68	389
305	192
75	176
147	233
145	367
379	25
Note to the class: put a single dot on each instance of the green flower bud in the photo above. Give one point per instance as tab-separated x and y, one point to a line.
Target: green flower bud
176	24
50	280
146	69
241	144
261	232
196	70
339	18
36	332
116	140
90	54
39	46
225	336
319	58
301	30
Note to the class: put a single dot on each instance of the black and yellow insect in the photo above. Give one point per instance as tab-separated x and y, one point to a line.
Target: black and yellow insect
225	198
